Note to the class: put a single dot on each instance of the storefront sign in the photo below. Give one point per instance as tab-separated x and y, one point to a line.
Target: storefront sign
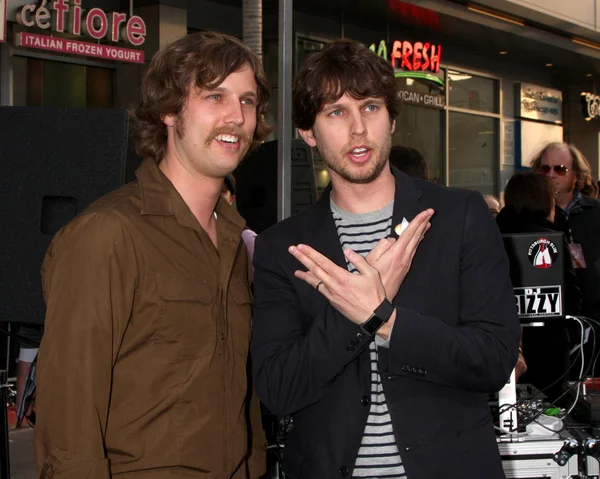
424	16
422	99
539	103
3	20
417	56
509	143
591	106
63	16
64	45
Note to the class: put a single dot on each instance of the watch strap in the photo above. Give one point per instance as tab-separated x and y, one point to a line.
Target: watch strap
385	310
379	317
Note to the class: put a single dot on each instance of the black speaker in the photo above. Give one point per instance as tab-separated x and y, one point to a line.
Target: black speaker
256	184
55	162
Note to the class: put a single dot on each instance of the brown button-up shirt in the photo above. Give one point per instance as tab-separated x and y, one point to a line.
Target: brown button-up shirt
142	371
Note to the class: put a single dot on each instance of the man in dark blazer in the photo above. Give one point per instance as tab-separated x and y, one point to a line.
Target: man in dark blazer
416	328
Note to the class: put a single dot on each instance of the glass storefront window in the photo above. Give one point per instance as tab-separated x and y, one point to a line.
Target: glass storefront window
473	146
421	128
60	84
98	87
304	47
63	85
472	92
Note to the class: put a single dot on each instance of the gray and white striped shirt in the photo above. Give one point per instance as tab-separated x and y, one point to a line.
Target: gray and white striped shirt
378	455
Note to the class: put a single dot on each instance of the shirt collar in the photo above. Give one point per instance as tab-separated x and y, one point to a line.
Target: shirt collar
159	197
574	202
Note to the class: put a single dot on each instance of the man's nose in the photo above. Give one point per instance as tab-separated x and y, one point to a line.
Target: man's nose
358	125
235	113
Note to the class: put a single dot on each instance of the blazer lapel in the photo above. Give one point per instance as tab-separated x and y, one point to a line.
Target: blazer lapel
321	233
406	200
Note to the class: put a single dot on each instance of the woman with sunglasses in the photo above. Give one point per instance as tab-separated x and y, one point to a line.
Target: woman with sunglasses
530	208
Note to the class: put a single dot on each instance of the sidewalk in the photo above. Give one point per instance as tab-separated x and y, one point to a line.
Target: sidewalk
22	464
20	444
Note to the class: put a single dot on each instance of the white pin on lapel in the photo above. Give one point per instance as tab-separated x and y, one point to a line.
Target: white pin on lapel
401	227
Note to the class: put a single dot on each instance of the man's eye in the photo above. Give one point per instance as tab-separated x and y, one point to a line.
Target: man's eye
336	113
371	108
248	101
216	96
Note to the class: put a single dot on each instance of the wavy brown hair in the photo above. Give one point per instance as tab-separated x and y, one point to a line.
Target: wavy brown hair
585	182
343	66
203	60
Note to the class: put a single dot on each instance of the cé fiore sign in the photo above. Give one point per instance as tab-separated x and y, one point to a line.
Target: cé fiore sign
64	16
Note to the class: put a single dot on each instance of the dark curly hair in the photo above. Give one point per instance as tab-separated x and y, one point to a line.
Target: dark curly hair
343	66
204	59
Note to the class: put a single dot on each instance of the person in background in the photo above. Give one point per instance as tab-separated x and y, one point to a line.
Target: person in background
27	354
577	215
143	367
410	161
530	208
249	236
493	204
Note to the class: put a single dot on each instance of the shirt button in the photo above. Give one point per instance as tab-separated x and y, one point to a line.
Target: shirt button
350	347
360	336
343	471
354	342
365	400
405	368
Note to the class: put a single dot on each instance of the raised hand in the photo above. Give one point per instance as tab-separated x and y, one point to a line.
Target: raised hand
355	295
393	258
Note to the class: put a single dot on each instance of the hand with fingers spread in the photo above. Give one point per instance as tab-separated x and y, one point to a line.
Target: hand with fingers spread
356	296
393	258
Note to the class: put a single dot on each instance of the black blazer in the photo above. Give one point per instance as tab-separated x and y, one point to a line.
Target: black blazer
455	339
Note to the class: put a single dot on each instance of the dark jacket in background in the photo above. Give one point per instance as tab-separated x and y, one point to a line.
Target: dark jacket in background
583	226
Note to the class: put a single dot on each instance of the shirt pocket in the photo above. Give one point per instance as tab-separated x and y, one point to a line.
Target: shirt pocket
240	310
185	329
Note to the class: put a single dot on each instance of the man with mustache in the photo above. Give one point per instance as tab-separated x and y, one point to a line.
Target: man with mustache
382	348
143	365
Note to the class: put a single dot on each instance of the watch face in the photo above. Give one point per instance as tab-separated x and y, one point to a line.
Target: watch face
372	325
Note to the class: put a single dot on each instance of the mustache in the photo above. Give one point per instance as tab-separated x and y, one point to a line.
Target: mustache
223	130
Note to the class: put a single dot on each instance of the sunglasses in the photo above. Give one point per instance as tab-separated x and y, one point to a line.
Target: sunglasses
560	170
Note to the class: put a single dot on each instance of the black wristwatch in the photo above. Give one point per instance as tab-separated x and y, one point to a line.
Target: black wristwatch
380	316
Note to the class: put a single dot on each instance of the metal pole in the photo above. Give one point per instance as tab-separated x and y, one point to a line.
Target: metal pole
284	116
6	71
4	453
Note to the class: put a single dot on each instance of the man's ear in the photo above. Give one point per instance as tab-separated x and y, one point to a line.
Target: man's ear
393	126
308	136
169	120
